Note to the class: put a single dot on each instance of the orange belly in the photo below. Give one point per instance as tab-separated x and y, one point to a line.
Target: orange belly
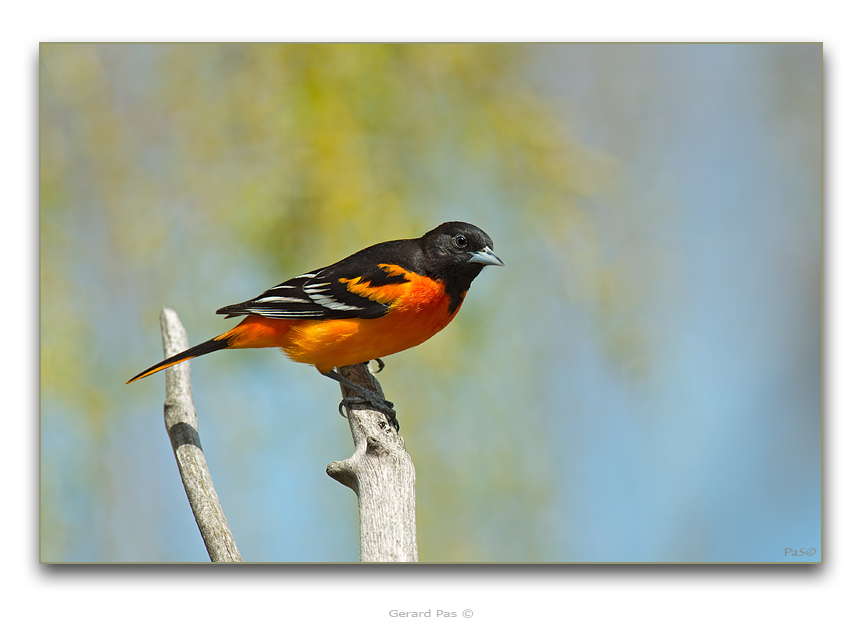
333	343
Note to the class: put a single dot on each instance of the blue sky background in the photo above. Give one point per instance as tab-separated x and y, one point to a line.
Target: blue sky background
699	444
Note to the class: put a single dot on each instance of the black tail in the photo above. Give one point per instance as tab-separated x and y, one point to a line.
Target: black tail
199	350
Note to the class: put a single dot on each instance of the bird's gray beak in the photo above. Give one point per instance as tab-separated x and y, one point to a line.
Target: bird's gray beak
486	256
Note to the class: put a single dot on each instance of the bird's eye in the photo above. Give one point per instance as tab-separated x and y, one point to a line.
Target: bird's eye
460	241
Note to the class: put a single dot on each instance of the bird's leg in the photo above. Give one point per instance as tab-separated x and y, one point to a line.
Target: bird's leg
380	366
364	395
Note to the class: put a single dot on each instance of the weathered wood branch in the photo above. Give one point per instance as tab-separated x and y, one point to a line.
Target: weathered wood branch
381	473
181	422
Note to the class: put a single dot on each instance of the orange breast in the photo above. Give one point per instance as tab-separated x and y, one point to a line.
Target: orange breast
419	309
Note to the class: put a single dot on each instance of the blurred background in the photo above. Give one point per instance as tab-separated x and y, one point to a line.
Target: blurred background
641	382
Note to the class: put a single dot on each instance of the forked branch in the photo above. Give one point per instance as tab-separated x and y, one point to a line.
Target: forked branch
381	473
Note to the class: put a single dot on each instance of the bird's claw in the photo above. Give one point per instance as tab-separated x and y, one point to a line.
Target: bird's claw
348	400
384	406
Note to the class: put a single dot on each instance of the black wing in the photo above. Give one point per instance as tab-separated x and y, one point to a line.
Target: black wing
322	294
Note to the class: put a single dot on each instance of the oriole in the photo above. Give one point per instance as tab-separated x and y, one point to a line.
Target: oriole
381	300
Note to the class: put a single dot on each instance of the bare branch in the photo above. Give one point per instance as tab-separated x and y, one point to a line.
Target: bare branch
181	422
381	473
